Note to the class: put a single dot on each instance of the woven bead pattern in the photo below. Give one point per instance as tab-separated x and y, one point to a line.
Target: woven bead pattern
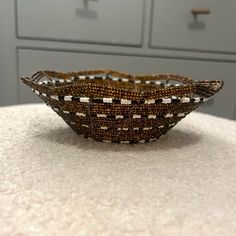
111	106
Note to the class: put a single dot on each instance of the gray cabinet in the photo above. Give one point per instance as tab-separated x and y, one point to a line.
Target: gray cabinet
32	60
174	26
97	21
137	36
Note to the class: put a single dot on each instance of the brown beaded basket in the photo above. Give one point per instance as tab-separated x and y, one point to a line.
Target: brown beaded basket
111	106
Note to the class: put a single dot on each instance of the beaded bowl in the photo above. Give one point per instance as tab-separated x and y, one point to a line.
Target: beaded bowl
112	106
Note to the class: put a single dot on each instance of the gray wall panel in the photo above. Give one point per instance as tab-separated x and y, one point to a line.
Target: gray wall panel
104	21
175	27
222	105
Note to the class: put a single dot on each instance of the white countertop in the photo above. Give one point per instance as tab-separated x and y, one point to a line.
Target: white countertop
54	182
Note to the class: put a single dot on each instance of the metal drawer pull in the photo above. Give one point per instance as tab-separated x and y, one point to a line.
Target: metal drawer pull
200	11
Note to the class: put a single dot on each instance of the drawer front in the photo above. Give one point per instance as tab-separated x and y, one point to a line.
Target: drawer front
223	103
175	27
99	21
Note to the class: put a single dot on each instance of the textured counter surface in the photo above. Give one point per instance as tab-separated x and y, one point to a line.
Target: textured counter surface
54	182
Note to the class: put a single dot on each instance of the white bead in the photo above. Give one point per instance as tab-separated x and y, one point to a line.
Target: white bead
125	142
185	99
168	115
152	139
67	98
54	97
166	100
152	101
80	114
84	99
152	116
119	117
102	115
147	128
141	141
136	116
157	82
180	114
107	100
137	81
125	101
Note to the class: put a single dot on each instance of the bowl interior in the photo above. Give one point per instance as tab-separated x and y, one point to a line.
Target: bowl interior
136	83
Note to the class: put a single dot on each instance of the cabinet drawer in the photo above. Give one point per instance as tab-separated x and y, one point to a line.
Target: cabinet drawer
175	27
98	21
223	103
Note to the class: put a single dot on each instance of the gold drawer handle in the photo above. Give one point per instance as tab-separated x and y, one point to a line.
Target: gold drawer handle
200	11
